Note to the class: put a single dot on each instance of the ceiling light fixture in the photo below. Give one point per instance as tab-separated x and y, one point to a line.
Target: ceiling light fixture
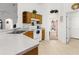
75	6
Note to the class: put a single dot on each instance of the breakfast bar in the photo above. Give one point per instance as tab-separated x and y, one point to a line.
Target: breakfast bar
17	44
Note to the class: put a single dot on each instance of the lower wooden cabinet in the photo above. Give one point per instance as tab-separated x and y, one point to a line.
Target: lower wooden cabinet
29	34
32	52
43	34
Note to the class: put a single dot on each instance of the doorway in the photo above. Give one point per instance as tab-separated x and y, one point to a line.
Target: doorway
54	30
72	25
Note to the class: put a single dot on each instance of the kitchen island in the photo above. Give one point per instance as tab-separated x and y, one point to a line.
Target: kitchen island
17	44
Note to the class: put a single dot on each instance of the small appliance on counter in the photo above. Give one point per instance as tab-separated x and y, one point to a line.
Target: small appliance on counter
38	34
14	26
1	24
33	22
8	24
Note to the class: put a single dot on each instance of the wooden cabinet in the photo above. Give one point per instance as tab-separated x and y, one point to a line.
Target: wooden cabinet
28	15
32	52
39	17
29	34
43	34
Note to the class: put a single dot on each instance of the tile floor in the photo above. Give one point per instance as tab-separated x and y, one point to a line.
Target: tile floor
55	47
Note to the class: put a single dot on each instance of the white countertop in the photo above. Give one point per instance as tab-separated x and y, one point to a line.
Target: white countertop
12	44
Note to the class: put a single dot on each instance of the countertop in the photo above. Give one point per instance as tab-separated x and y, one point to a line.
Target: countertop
15	44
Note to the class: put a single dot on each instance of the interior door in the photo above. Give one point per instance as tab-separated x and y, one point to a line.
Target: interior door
74	25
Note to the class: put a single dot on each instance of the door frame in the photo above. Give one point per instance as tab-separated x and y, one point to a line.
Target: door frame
67	29
67	14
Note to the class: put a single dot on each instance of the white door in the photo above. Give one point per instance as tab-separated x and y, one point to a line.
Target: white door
74	25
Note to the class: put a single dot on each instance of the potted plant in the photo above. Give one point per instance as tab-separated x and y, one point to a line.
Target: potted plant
34	11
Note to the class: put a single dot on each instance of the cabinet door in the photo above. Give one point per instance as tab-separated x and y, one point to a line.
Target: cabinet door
24	17
29	16
39	17
43	33
29	34
32	52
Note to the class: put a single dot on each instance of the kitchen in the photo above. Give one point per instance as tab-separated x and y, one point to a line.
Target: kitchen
31	29
35	29
16	39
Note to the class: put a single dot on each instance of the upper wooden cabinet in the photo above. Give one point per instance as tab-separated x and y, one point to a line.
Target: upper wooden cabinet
28	15
39	17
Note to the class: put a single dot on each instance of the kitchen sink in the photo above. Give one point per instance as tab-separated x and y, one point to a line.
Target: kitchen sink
16	32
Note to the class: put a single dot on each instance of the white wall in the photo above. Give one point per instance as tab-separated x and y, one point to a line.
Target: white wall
63	8
44	9
7	10
68	10
61	25
62	32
